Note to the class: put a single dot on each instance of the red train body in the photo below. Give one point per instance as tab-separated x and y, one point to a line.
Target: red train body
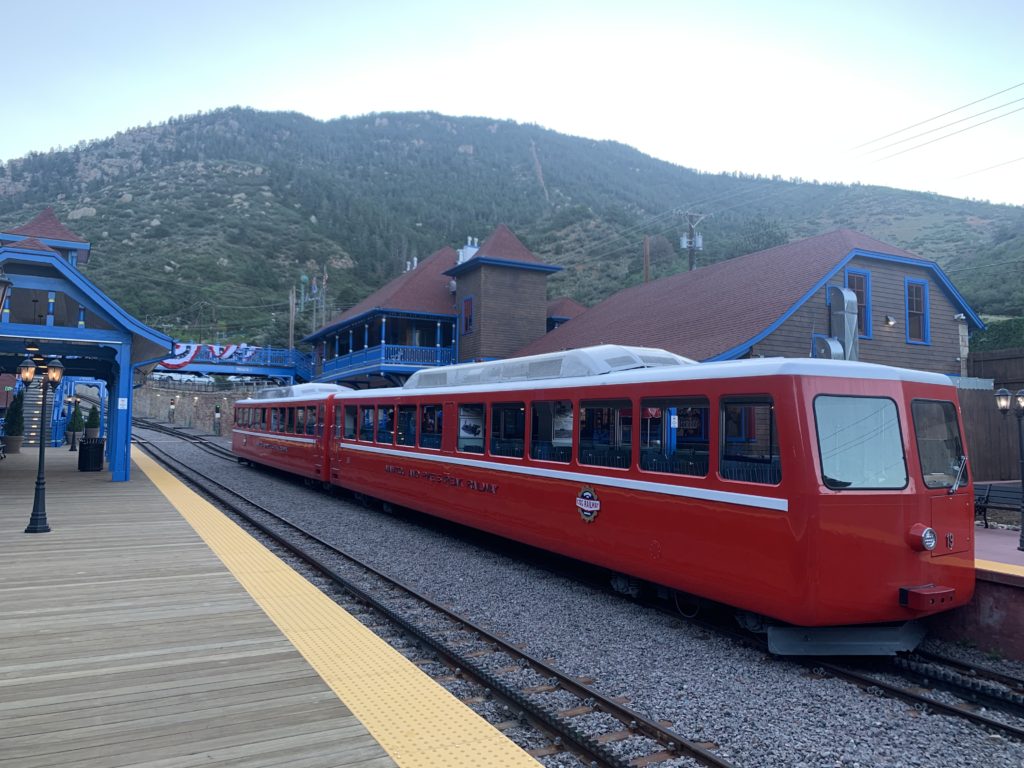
817	494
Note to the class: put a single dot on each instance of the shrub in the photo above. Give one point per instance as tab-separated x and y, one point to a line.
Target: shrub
14	421
77	422
93	422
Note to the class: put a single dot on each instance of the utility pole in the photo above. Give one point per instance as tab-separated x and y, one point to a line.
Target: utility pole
647	258
693	240
291	318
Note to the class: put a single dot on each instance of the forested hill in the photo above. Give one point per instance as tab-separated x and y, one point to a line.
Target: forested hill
199	226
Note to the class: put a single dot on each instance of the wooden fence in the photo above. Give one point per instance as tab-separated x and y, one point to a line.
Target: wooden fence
992	441
991	437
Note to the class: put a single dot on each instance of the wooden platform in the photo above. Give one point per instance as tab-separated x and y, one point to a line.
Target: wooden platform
125	641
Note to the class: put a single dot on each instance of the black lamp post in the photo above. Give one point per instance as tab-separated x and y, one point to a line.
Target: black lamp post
54	372
1003	402
170	411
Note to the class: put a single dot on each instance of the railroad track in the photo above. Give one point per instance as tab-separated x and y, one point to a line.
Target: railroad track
197	440
572	715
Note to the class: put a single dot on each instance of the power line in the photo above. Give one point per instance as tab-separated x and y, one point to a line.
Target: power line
936	117
946	125
954	133
992	167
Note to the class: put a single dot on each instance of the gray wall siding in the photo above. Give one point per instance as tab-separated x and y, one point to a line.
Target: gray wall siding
887	345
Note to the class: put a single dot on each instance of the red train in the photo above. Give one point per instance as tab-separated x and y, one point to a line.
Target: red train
829	501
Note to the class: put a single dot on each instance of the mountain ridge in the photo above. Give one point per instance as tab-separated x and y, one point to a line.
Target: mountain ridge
200	225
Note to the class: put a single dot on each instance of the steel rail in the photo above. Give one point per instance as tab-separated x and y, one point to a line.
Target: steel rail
673	744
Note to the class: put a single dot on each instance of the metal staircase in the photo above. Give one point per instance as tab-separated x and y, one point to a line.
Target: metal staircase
33	401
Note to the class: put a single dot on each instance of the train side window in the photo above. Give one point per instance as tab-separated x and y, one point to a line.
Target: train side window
431	426
277	420
314	419
290	413
508	429
407	425
366	423
674	435
606	433
338	413
471	428
749	443
300	420
261	419
351	419
551	430
386	424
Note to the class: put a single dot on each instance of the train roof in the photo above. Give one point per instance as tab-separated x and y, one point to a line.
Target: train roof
567	364
666	371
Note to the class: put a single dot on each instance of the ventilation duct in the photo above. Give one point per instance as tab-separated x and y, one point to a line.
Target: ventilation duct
843	320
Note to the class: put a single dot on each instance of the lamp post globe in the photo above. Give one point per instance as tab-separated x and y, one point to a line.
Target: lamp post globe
54	373
1003	400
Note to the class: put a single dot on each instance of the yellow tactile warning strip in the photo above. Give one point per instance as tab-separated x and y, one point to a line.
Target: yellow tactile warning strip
997	567
417	722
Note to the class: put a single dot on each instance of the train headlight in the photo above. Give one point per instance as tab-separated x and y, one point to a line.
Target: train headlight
922	537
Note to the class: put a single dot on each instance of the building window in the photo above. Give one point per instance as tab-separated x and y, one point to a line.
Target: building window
860	283
467	315
918	331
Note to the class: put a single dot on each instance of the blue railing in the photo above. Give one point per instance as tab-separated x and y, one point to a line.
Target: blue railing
392	355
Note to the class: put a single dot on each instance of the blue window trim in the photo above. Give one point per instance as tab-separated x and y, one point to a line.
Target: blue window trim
926	325
867	296
462	315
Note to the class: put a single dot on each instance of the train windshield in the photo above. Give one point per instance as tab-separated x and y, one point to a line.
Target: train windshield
938	443
859	442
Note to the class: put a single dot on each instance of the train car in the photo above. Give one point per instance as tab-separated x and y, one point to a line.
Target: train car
285	430
827	500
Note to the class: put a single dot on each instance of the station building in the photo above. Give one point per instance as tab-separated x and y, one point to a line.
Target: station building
839	294
52	311
782	302
482	302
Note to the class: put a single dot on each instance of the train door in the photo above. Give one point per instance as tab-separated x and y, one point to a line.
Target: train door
945	473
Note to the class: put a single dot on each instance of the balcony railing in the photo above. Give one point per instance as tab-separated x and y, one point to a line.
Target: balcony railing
386	357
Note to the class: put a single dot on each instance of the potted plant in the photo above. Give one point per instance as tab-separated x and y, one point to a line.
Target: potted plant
14	423
92	424
75	426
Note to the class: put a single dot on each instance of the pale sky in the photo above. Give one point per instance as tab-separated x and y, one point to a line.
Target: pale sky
785	87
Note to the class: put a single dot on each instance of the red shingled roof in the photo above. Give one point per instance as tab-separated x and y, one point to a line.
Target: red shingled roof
713	309
502	244
47	225
31	244
424	289
563	306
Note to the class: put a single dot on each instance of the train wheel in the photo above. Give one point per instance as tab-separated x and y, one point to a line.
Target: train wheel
627	585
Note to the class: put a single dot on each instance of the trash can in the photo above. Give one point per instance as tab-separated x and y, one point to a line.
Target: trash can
90	454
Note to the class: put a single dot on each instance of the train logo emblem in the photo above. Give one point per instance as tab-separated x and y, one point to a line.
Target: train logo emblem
588	504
